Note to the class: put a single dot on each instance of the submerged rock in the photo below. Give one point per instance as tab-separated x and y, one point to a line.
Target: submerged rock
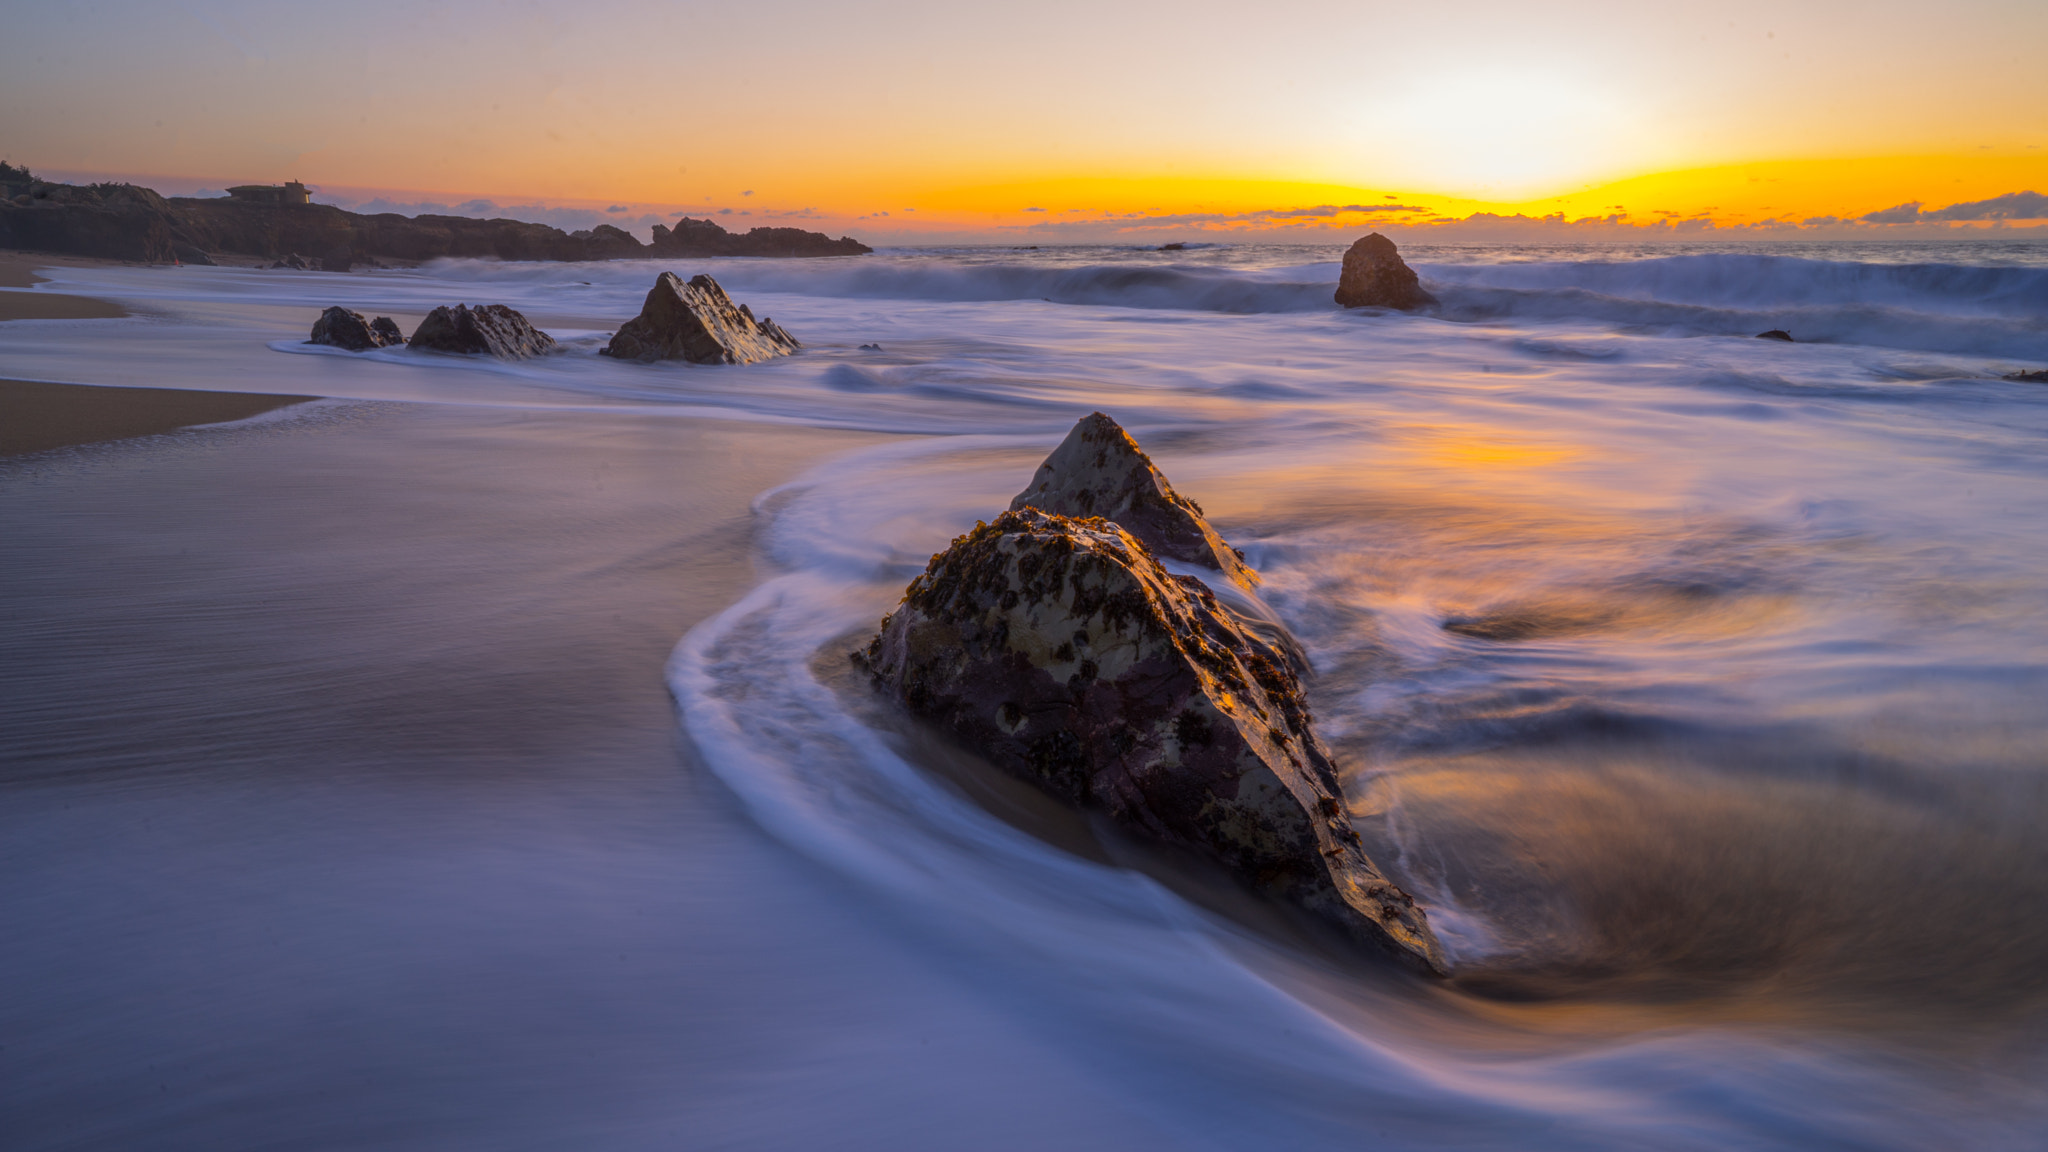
342	328
1375	276
492	329
1098	470
698	322
1063	651
1775	334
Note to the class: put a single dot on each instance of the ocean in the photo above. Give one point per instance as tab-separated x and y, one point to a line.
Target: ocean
1696	684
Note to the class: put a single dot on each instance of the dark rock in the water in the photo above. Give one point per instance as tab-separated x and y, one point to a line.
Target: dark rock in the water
1775	334
342	328
338	260
187	254
1065	653
705	238
698	322
2040	377
1375	276
491	329
871	347
1173	247
1098	470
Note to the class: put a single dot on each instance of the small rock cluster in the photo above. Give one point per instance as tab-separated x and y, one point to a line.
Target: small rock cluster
341	328
1058	646
694	321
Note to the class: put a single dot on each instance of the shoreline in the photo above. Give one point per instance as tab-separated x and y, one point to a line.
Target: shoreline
19	270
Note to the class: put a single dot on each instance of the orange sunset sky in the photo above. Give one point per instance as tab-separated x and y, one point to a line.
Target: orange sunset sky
907	122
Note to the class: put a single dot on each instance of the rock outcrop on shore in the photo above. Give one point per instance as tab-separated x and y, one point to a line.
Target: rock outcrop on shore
1098	470
701	238
487	329
1375	276
127	222
1063	651
342	328
699	323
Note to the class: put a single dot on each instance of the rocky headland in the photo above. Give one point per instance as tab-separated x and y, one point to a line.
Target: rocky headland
129	222
1060	648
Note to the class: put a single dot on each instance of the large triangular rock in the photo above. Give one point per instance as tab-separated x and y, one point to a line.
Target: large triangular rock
1098	470
1375	276
698	322
487	329
1061	650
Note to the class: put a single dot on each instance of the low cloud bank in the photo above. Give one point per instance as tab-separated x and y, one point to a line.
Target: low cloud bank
2011	206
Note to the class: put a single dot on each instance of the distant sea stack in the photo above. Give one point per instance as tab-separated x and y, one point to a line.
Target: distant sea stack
127	222
1375	276
699	323
705	238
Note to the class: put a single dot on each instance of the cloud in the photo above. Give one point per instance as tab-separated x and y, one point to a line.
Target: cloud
1263	217
1822	220
1907	213
1034	209
748	192
617	208
2011	206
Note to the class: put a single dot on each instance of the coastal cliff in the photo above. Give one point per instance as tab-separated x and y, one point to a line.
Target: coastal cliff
129	222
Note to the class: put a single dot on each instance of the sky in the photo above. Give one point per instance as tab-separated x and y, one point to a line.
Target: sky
913	120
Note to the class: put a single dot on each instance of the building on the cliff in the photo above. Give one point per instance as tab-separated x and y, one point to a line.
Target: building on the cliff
292	192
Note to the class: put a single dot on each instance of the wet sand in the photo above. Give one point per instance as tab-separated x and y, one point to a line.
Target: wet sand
40	417
17	270
345	806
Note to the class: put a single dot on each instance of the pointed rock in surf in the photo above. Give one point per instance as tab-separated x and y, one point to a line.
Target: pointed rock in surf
1061	650
1375	276
1098	470
699	323
489	329
341	328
